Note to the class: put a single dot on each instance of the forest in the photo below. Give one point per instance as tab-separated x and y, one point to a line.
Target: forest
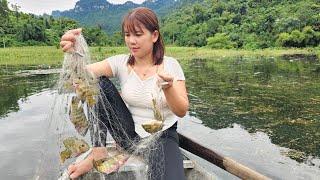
219	24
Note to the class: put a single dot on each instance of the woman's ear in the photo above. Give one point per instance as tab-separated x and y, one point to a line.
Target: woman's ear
155	36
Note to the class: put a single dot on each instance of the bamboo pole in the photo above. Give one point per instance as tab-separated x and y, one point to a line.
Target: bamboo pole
219	160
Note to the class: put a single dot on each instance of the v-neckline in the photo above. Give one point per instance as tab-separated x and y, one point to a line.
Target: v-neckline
139	78
148	78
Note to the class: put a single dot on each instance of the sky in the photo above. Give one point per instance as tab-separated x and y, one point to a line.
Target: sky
46	6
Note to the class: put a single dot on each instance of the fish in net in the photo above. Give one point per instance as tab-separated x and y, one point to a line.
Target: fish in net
87	114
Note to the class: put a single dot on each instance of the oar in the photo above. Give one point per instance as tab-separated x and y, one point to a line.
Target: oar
219	160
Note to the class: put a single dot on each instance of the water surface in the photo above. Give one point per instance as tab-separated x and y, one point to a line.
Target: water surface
276	96
262	112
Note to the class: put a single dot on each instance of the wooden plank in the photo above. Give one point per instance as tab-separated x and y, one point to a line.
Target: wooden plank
219	160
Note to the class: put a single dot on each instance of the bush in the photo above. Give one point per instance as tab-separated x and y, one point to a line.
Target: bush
220	41
308	37
284	40
312	38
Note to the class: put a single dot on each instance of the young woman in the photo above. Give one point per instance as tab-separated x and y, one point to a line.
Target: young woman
139	73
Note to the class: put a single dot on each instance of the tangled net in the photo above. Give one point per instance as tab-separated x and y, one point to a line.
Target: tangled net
82	117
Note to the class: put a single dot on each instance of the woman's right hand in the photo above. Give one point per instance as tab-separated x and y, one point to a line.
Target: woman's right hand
68	39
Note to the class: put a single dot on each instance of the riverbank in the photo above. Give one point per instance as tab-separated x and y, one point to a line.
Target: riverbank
50	56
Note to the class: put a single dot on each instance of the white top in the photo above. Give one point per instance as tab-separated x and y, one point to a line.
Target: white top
138	93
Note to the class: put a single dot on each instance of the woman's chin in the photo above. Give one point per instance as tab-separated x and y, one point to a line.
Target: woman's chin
134	53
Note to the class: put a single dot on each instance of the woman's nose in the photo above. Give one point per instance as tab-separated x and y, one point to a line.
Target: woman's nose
132	40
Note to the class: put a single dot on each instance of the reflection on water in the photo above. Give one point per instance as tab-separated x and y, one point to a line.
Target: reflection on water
14	87
275	96
23	138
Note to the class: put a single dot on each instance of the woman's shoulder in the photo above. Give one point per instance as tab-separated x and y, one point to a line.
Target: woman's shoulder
169	58
170	61
173	67
120	57
118	60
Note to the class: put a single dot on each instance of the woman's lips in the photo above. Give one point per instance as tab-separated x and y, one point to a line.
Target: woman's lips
134	49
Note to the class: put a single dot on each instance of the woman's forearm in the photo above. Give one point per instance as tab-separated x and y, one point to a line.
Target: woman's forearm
98	68
177	99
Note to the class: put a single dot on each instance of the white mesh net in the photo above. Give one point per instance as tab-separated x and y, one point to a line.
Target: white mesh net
88	118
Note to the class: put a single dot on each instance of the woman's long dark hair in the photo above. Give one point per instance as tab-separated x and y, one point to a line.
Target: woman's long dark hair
147	18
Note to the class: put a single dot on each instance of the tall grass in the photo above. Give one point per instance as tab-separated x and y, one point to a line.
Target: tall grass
50	56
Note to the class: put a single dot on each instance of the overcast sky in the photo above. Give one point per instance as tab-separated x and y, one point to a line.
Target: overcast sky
46	6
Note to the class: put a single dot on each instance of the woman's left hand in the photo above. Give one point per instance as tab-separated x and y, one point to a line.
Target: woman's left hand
165	80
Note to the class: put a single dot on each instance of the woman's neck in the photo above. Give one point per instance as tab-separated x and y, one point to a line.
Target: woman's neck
144	61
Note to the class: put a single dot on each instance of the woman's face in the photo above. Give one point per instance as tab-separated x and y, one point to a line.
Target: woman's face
140	42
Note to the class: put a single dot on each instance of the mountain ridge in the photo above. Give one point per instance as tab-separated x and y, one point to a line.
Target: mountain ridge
108	16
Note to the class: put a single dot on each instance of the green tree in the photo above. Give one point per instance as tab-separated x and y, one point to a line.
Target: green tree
284	40
16	9
95	36
4	9
220	41
311	37
195	35
297	38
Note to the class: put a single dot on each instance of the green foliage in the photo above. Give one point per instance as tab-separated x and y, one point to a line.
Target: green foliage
248	24
220	41
251	41
95	37
284	39
20	29
311	37
195	35
4	10
308	37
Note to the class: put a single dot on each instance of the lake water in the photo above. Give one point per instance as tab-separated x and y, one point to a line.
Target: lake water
263	113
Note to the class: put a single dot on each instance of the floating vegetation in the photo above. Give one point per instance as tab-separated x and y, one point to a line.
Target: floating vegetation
280	98
294	154
300	57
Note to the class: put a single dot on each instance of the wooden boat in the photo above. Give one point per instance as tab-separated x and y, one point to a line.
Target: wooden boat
219	160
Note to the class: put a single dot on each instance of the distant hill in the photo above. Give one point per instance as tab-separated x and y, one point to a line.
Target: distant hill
101	13
249	24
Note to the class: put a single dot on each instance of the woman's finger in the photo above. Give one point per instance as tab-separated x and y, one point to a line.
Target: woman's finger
67	47
167	85
71	169
73	172
166	77
74	31
75	175
63	43
68	37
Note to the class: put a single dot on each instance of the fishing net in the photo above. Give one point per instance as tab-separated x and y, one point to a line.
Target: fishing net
87	117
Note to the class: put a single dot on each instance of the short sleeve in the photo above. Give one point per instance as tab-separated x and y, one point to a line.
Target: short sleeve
117	64
175	69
